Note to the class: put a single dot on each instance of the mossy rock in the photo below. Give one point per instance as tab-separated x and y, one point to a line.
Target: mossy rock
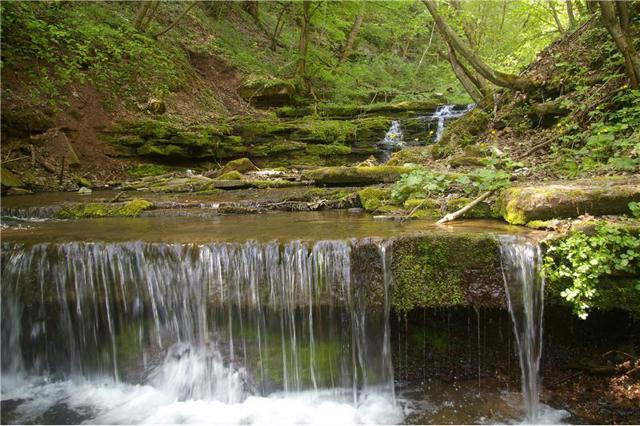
598	196
241	165
24	123
268	91
410	155
9	180
164	150
423	208
465	130
232	175
372	199
326	150
467	161
92	210
481	210
326	131
440	269
82	181
142	170
355	175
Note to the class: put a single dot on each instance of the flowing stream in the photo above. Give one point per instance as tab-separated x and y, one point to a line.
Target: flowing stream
242	332
524	284
230	332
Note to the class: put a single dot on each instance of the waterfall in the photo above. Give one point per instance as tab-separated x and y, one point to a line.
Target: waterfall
224	322
524	284
447	112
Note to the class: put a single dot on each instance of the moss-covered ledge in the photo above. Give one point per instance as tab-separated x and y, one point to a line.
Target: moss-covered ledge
433	270
597	196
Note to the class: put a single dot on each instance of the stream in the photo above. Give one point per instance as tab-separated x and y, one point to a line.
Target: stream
237	320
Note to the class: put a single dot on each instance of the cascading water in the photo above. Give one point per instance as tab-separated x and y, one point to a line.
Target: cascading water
447	112
231	333
524	284
393	140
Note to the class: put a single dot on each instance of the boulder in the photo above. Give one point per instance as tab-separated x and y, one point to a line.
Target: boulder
241	165
597	196
355	175
10	180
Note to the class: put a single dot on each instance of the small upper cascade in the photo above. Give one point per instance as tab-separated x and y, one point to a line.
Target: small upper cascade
393	137
447	112
524	285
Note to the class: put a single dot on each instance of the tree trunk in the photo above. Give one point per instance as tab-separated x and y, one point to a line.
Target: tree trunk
304	38
143	9
253	8
623	16
556	18
572	17
466	28
592	6
631	58
355	28
152	13
279	26
581	8
465	79
509	81
173	24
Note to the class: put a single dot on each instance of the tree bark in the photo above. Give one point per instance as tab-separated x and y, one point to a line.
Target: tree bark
631	58
572	17
279	26
466	28
556	18
303	45
463	76
355	28
252	7
173	24
143	9
150	15
498	78
623	16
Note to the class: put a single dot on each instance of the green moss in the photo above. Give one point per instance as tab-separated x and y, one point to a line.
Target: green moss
519	205
373	198
465	130
164	150
421	203
438	269
333	149
142	170
90	210
10	180
411	155
241	165
82	181
355	175
328	131
232	175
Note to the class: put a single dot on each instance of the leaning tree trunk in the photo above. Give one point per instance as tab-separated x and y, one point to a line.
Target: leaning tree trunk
143	9
173	24
498	78
355	28
631	58
464	78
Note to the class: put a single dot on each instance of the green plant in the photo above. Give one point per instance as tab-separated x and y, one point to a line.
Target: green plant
578	262
635	209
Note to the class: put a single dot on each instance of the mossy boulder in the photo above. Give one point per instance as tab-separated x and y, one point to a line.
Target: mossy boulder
142	170
92	210
441	269
465	130
264	91
9	180
241	165
355	175
325	150
597	196
232	175
372	199
410	155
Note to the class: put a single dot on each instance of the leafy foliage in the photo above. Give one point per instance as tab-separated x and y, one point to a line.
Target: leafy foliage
420	183
578	262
